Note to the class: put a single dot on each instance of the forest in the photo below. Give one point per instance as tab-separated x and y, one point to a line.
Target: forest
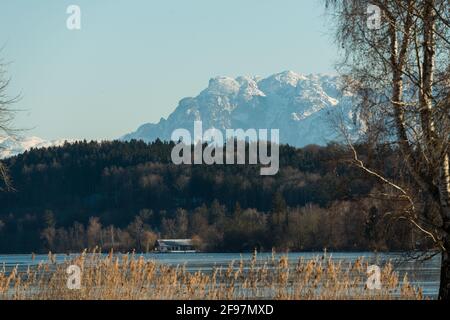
125	195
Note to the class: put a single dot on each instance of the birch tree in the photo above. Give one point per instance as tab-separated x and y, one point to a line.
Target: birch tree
396	60
6	116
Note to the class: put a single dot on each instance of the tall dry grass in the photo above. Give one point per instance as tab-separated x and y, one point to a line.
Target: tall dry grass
132	277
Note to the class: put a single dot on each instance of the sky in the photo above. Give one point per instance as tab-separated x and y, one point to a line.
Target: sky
133	60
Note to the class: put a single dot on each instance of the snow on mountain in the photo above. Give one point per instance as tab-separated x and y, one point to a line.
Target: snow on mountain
300	106
10	146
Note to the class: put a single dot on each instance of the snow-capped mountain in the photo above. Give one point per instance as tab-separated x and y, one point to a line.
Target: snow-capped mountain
10	146
302	107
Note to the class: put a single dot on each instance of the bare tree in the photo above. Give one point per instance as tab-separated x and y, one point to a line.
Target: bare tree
93	233
400	74
6	116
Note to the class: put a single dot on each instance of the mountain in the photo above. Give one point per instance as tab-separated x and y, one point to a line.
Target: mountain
302	107
10	146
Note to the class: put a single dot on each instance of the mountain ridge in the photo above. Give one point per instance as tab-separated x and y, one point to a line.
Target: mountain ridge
300	106
12	146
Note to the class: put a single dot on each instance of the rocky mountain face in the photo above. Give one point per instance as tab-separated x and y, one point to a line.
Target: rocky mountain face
302	107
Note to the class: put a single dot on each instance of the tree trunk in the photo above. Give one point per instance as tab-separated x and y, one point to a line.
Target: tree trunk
444	289
444	191
444	188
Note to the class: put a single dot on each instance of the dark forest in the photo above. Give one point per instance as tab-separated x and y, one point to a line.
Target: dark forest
125	195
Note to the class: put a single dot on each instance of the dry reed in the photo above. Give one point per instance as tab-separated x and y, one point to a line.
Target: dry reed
133	277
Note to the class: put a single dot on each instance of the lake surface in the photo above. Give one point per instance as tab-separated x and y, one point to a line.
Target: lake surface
424	274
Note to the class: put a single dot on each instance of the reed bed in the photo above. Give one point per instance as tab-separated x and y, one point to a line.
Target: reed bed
131	277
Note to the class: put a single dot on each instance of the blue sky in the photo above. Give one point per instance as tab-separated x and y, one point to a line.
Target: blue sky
133	60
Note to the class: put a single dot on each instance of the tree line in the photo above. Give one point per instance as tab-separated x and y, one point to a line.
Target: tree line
125	195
